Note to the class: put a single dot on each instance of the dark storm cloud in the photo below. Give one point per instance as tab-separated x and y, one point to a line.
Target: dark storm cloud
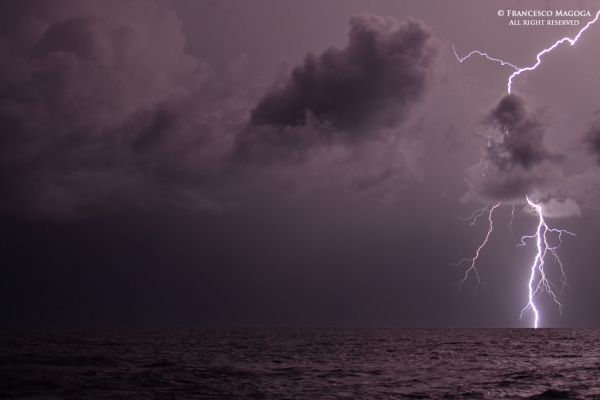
523	134
101	107
386	63
346	93
122	116
516	160
592	138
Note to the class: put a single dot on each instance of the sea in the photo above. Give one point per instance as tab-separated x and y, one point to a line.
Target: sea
269	363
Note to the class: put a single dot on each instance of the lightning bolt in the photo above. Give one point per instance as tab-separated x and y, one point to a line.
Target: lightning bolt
472	261
518	71
538	279
537	268
512	219
547	50
472	219
484	55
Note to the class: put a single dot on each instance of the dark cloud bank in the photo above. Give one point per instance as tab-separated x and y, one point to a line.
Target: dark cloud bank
155	188
101	107
90	109
133	161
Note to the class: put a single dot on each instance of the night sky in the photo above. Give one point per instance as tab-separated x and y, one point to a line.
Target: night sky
182	162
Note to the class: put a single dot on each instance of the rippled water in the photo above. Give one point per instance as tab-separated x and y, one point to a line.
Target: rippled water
301	364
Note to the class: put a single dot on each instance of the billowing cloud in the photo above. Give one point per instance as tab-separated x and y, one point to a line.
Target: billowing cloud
592	137
346	94
521	143
560	209
516	162
102	108
98	108
383	70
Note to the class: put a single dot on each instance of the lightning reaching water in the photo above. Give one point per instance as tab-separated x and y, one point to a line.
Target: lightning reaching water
538	278
544	237
537	267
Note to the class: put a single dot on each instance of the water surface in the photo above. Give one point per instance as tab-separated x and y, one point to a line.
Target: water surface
301	364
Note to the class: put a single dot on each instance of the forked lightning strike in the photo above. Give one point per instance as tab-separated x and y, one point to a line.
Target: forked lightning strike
538	279
537	268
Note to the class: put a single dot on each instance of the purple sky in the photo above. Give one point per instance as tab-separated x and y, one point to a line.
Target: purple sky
288	162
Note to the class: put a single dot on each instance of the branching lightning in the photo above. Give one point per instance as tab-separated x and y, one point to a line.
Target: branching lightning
472	261
472	219
538	278
537	268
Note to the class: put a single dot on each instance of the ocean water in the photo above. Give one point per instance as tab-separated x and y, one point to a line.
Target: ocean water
301	364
